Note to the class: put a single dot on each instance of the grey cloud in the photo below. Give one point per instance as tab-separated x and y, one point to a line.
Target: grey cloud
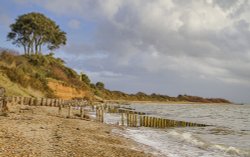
226	4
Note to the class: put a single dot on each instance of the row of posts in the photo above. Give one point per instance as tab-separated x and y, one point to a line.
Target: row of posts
70	113
35	101
134	118
43	101
129	117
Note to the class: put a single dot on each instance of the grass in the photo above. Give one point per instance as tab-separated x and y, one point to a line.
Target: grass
31	73
16	89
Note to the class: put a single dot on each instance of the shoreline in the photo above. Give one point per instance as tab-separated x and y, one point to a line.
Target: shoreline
160	102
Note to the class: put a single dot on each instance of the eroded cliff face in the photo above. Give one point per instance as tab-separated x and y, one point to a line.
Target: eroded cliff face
64	91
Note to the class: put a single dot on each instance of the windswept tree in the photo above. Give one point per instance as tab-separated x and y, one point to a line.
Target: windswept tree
32	31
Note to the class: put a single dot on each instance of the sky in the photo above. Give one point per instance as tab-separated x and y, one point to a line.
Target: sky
172	47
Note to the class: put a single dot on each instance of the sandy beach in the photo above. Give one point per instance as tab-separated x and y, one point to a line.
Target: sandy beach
31	131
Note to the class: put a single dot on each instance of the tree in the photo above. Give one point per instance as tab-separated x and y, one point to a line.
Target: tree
84	78
32	31
99	85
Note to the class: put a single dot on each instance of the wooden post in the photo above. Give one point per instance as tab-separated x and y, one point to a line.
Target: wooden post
130	120
21	101
69	111
60	110
102	112
100	115
96	114
122	120
12	100
160	122
154	121
133	120
133	115
164	123
30	102
41	102
53	102
127	119
136	120
24	98
145	121
141	120
59	102
149	121
49	102
81	112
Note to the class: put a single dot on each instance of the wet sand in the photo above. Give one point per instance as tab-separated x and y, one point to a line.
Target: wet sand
30	131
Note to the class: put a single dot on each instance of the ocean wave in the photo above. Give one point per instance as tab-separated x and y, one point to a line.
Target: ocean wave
202	144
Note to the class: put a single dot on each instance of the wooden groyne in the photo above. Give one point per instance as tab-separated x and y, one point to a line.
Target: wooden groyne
134	118
31	101
128	116
69	105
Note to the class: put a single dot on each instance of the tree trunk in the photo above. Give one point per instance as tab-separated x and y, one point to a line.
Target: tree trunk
24	50
36	48
40	48
32	48
28	52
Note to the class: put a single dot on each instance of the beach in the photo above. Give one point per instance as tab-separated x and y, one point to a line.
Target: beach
37	131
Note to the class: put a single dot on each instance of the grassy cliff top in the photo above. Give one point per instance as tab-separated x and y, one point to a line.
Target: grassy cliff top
35	70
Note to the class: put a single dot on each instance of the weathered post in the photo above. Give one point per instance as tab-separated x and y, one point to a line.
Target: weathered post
60	109
41	102
122	119
69	111
2	92
57	102
127	119
132	120
81	112
30	101
154	122
96	115
160	126
136	120
13	100
144	121
101	115
22	99
141	120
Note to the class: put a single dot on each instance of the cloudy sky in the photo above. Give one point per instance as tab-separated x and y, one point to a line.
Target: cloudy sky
195	47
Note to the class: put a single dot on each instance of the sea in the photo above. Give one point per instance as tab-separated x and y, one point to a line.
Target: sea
228	133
